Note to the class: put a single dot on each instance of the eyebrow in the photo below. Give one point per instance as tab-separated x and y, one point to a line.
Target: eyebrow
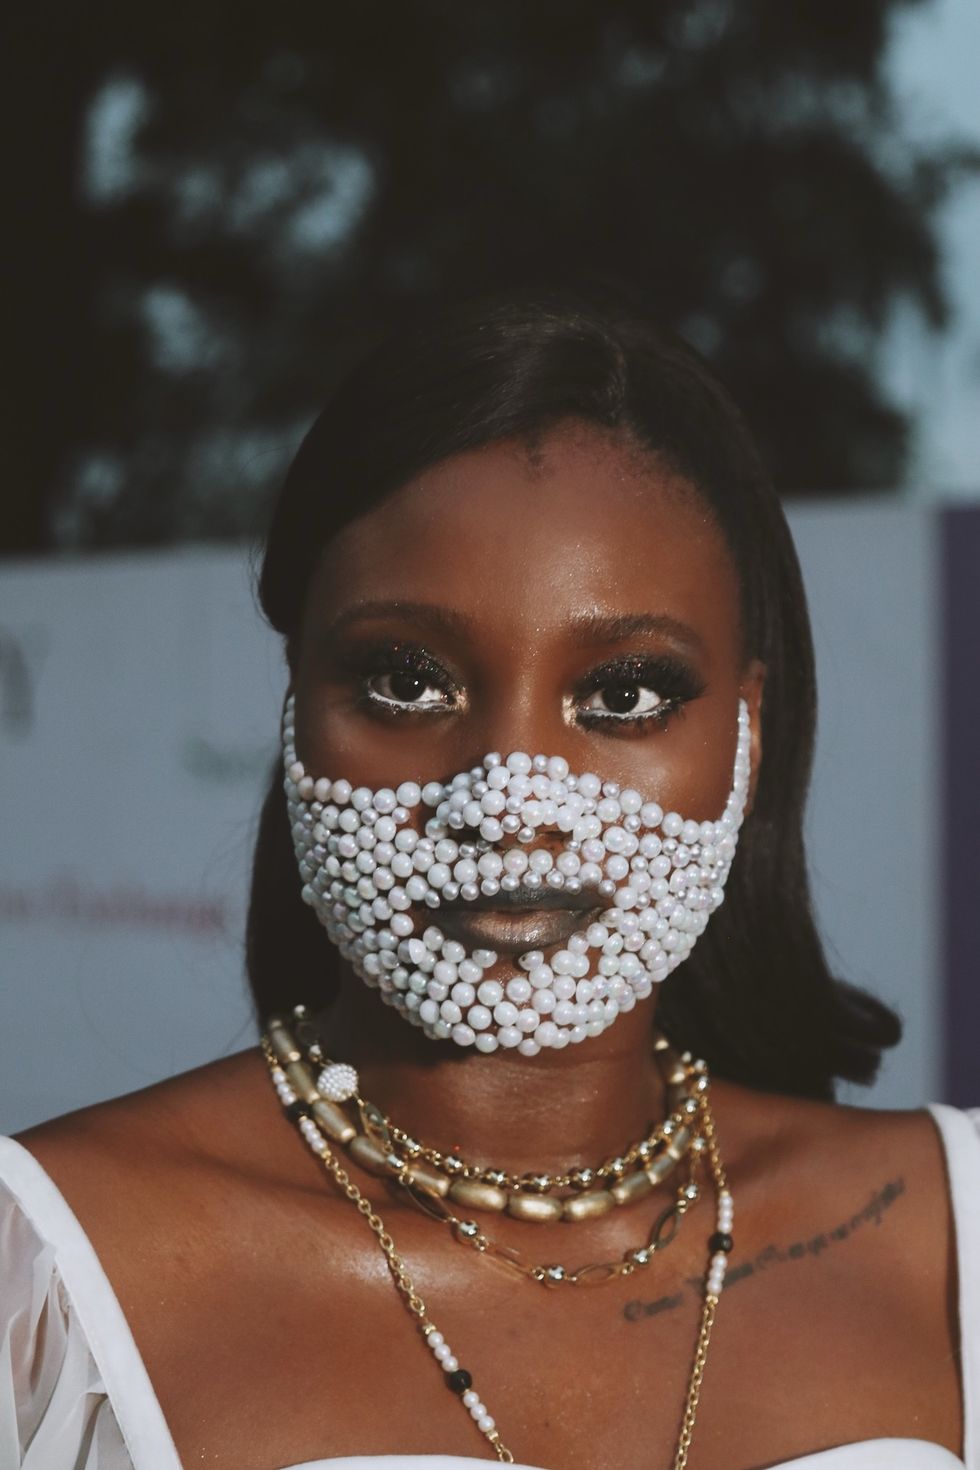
587	628
427	615
596	627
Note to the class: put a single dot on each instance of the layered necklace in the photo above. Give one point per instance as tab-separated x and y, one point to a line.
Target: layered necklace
322	1098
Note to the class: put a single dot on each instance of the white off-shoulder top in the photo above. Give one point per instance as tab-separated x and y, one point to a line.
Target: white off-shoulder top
75	1395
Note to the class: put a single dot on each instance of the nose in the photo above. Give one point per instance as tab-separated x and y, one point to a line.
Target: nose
509	800
518	713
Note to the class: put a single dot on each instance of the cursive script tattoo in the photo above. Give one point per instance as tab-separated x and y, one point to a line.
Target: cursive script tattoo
774	1255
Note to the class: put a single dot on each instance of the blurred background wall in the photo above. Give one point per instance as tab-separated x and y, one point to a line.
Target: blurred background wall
215	213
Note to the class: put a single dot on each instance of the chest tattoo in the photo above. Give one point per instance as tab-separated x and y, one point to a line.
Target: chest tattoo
872	1212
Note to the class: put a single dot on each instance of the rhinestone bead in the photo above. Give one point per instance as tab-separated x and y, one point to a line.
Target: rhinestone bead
338	1082
581	1178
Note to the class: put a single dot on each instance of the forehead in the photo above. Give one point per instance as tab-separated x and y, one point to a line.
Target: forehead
522	540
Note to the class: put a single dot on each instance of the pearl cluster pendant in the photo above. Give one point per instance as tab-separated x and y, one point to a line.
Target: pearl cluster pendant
372	862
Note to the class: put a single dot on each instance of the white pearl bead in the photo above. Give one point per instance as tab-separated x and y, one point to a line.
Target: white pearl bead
363	870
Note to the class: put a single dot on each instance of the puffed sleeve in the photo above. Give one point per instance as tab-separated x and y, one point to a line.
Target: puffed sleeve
55	1413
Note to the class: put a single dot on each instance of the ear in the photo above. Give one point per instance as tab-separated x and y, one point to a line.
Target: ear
751	690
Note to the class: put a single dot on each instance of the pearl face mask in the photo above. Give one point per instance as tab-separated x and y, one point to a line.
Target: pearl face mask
624	890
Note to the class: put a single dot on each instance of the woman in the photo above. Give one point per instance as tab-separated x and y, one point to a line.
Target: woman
550	699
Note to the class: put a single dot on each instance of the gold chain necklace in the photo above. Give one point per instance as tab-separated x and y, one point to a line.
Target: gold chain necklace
381	1146
673	1133
467	1232
459	1379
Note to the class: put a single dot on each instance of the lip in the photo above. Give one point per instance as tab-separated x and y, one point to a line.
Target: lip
527	899
525	918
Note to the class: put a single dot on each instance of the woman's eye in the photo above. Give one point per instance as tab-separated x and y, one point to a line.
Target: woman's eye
626	699
403	687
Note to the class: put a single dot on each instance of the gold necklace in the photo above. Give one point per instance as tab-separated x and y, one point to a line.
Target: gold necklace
673	1133
382	1147
467	1232
459	1380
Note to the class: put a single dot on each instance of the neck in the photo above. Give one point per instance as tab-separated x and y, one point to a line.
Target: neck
560	1108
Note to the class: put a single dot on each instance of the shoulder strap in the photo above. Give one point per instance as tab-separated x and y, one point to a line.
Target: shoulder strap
960	1133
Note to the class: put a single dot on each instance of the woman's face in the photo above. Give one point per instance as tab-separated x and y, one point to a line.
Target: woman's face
574	600
579	602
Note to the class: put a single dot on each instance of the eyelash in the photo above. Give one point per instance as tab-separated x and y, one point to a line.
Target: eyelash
667	676
398	658
673	680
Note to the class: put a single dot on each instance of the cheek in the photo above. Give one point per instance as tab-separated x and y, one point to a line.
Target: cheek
687	766
337	738
695	776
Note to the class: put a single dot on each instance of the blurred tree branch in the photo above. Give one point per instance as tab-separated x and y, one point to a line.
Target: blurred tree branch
215	208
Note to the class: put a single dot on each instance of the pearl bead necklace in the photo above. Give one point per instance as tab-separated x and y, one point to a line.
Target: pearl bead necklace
367	870
457	1378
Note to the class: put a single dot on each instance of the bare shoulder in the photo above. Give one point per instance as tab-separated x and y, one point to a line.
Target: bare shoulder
157	1166
208	1221
834	1156
861	1192
181	1116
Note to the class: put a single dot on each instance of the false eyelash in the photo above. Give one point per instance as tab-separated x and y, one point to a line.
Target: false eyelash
397	657
673	680
364	663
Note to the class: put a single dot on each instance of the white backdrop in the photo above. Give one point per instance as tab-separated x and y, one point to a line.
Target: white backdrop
139	699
